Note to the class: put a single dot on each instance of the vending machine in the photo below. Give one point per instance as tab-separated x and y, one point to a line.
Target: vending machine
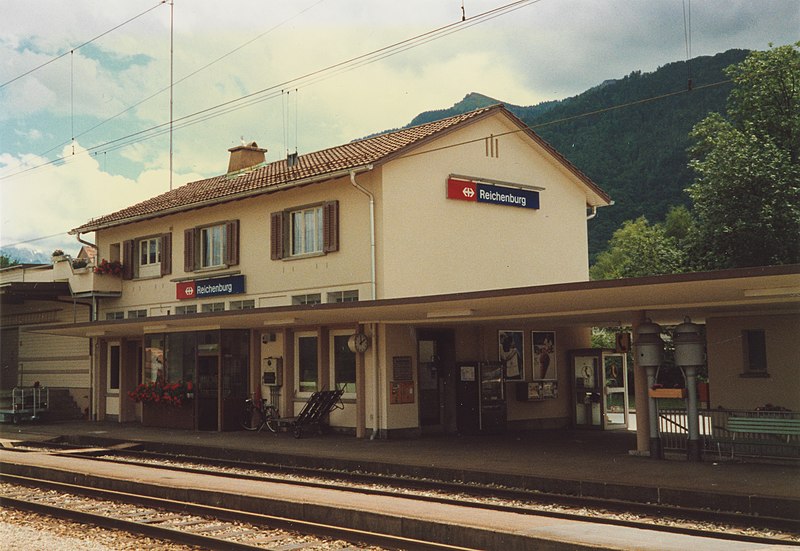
492	397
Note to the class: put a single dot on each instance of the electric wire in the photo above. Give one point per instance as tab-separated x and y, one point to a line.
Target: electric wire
71	50
315	76
185	77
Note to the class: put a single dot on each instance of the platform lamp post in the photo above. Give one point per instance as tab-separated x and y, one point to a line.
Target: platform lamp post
649	351
689	355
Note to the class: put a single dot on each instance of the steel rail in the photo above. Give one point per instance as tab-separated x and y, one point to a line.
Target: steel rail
476	491
189	508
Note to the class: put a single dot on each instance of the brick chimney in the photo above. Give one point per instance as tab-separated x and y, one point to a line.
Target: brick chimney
246	156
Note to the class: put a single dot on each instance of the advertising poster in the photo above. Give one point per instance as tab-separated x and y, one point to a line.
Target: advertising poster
511	355
544	355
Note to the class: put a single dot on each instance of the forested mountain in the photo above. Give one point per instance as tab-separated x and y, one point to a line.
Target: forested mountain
636	152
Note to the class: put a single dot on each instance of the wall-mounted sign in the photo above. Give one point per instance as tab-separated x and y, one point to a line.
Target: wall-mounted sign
201	288
479	192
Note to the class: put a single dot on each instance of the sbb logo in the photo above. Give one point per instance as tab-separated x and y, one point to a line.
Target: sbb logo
462	190
185	289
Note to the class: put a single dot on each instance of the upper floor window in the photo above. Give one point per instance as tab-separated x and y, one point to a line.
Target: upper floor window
147	256
306	235
149	251
212	246
305	231
343	296
305	300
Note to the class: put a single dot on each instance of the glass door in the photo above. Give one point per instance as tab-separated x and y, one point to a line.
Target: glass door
615	391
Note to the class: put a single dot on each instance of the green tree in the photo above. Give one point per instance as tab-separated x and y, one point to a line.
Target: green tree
639	249
6	261
746	194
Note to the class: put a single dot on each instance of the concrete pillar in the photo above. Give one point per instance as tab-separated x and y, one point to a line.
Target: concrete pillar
640	385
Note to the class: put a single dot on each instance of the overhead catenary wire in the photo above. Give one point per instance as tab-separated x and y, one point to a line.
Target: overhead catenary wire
185	77
687	38
313	77
71	50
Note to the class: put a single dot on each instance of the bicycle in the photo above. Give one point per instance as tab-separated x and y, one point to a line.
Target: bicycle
258	414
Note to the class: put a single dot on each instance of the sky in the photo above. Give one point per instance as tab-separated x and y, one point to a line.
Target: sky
85	101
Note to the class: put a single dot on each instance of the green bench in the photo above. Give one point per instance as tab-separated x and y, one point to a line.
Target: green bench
757	427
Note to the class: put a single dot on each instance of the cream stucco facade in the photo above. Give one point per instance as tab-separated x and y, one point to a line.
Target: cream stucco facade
450	277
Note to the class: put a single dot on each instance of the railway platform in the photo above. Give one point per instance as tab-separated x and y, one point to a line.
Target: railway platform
571	462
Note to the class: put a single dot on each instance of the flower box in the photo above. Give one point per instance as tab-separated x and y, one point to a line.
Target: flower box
667	393
168	417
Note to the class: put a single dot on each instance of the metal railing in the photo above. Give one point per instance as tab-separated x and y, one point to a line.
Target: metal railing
716	439
28	403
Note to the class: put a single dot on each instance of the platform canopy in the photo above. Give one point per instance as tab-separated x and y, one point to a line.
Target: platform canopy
664	299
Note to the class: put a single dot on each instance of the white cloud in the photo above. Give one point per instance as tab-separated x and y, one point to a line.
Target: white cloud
52	200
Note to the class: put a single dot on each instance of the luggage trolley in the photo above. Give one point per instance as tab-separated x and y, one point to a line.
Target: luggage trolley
314	412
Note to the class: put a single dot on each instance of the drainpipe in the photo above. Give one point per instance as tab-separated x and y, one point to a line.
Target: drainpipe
360	188
78	237
594	213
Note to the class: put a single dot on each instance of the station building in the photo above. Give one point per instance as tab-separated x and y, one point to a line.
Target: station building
439	274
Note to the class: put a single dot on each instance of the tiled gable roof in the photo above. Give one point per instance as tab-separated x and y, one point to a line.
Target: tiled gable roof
310	167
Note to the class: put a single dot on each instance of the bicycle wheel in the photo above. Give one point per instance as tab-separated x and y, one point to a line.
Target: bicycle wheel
271	417
251	417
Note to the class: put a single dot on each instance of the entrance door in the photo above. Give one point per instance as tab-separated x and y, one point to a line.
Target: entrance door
429	388
208	393
615	395
436	372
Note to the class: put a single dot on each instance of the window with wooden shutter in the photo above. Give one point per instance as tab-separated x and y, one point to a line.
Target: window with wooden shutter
276	235
128	259
189	250
166	254
330	226
232	243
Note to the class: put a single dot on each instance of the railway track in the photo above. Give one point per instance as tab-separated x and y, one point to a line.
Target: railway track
189	523
479	498
669	518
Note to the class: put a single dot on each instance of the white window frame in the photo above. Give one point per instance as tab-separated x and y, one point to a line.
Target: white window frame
306	231
148	256
247	304
350	389
298	390
212	246
213	307
182	310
